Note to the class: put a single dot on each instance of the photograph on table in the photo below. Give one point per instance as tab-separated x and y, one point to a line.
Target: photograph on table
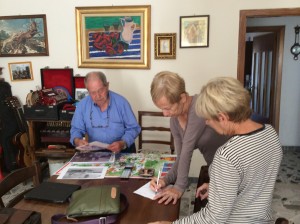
84	172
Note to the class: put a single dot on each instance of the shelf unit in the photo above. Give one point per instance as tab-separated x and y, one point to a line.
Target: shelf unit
44	132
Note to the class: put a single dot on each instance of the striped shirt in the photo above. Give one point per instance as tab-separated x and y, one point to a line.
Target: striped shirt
242	179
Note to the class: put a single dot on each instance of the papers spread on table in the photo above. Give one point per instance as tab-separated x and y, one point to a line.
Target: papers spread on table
93	157
93	146
146	191
87	165
115	163
87	172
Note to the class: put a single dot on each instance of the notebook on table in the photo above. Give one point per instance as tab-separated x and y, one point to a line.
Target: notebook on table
52	192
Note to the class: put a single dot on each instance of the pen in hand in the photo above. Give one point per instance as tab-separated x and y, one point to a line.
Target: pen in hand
157	180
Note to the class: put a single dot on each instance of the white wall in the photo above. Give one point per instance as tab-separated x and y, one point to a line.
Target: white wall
196	65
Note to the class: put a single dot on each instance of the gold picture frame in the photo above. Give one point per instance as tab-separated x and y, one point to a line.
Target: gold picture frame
113	37
194	31
165	45
20	71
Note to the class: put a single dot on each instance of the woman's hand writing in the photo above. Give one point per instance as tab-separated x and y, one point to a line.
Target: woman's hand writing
156	187
168	195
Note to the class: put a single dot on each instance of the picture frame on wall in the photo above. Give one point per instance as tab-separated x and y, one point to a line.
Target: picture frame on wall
24	35
194	31
20	71
113	37
165	45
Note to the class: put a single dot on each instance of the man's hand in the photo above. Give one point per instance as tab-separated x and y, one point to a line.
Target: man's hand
79	142
116	146
167	195
202	191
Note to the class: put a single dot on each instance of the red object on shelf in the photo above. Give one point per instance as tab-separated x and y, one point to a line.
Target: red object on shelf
79	82
53	77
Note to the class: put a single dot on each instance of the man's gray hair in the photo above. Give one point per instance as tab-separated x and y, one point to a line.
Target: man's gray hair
94	76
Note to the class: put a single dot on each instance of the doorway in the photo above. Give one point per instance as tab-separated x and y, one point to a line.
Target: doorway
264	13
263	48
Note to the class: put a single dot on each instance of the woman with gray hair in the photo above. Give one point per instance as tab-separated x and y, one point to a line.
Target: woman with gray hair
189	131
244	170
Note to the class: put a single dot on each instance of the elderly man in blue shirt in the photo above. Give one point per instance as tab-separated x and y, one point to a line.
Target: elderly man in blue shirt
104	116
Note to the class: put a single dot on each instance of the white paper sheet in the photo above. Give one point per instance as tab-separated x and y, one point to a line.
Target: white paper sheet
146	191
93	146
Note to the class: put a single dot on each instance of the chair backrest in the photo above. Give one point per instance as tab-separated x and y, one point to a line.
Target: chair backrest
17	177
152	126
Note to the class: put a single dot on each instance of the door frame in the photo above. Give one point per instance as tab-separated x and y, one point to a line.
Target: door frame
262	13
279	32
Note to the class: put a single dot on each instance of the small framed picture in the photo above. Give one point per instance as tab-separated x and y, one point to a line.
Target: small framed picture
20	71
194	31
165	45
80	93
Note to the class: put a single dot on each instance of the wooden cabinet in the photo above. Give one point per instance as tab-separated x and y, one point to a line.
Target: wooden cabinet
43	133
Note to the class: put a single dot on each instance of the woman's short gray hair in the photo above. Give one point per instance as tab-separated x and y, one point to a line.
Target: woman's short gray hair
167	84
224	95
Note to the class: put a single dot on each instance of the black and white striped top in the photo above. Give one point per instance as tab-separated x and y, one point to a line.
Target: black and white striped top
242	179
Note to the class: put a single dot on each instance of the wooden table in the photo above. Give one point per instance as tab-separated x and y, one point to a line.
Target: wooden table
140	210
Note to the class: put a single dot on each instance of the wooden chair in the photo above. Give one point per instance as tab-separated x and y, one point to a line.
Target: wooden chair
203	178
16	177
157	127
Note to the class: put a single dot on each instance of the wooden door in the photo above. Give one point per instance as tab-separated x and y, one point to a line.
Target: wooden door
263	88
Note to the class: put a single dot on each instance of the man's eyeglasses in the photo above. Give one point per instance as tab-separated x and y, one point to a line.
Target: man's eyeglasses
99	126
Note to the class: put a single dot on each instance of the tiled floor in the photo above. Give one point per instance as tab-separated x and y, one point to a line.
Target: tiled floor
286	199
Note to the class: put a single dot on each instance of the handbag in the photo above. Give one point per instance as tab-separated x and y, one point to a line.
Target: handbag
100	204
18	216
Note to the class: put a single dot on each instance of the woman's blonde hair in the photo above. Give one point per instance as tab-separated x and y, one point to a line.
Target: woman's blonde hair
169	85
224	95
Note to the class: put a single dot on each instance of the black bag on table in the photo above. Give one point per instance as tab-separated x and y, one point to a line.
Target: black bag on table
18	216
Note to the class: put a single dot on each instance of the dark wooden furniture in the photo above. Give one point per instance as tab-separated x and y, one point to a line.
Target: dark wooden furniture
16	177
58	135
154	127
140	210
203	178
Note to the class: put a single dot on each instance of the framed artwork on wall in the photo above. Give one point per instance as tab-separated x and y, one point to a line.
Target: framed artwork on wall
23	36
113	37
165	45
194	31
20	71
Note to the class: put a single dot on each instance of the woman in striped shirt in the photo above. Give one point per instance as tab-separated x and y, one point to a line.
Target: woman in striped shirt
244	170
